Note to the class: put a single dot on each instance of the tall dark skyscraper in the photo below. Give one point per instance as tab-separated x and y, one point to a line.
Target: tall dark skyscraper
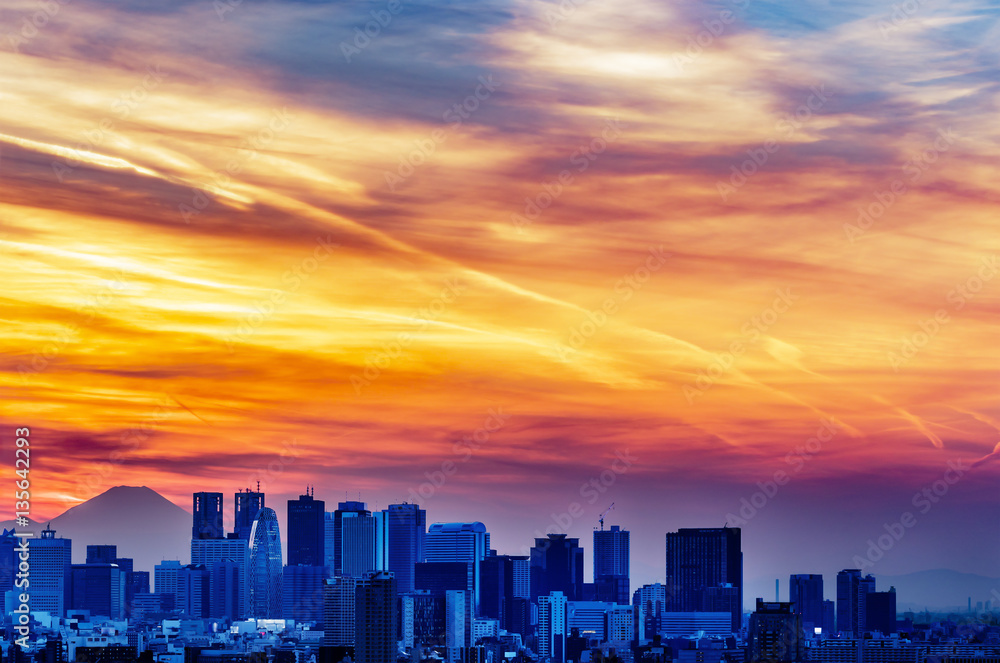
775	634
99	588
406	528
496	583
194	591
305	531
227	586
701	560
852	594
557	566
207	516
611	565
247	505
505	588
805	591
880	611
376	618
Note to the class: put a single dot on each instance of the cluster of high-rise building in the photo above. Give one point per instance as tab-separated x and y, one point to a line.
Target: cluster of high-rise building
381	585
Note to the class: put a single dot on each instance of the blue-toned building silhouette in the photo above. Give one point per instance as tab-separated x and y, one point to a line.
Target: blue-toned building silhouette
705	570
305	531
302	592
247	504
51	573
557	566
359	540
406	531
611	565
207	516
99	588
805	592
376	618
265	566
852	594
467	543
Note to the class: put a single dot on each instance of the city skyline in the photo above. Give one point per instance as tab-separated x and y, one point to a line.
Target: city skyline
515	244
760	585
372	326
467	599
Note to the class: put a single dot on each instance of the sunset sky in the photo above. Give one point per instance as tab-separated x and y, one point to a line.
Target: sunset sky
681	233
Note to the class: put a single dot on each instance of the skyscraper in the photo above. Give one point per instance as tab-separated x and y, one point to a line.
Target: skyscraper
99	588
302	593
460	542
805	591
165	578
359	540
127	567
265	566
611	565
193	591
701	559
339	603
557	566
775	634
375	618
207	516
211	552
552	626
852	594
496	586
51	562
651	602
305	531
421	618
880	611
406	530
330	541
363	544
866	587
457	623
247	505
227	588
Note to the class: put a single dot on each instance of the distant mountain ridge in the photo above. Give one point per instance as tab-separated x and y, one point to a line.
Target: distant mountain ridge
143	524
940	589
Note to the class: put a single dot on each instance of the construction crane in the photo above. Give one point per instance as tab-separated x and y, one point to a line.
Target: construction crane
600	518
